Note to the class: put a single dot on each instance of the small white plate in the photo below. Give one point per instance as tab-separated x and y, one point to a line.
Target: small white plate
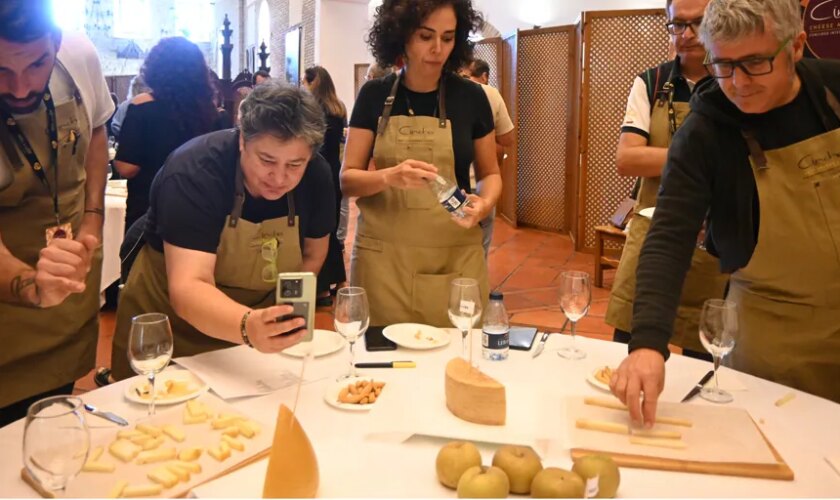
195	387
595	382
647	212
416	336
331	395
323	342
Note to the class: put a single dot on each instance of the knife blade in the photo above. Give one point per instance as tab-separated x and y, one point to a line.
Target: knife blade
541	345
699	387
107	415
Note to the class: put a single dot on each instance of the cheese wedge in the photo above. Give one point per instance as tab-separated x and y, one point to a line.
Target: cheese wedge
124	449
159	455
146	490
473	396
117	490
190	454
174	432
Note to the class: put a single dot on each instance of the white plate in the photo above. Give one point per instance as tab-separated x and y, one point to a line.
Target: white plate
647	212
595	382
195	385
331	395
323	342
416	336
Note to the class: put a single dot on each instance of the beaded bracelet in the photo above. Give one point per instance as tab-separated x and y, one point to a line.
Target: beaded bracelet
243	331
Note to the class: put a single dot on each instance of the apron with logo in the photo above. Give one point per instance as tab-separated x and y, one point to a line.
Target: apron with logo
788	295
704	279
407	249
240	273
44	349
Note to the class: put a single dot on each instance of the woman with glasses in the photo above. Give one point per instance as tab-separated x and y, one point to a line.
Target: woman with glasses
229	210
760	154
656	108
419	123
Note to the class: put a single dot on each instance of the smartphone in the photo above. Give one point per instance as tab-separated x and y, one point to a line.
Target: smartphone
376	341
522	337
298	291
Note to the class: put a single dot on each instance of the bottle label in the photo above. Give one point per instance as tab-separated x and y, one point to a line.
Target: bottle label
495	340
454	201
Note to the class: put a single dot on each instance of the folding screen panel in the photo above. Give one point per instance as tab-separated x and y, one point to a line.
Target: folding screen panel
507	204
488	50
618	46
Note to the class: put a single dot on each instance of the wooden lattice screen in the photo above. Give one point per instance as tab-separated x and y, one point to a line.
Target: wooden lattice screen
546	90
489	50
619	45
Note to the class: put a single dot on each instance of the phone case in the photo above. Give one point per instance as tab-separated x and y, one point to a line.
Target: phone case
376	341
522	337
298	290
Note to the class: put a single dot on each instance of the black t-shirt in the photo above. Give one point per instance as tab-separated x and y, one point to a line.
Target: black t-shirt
146	139
467	108
193	194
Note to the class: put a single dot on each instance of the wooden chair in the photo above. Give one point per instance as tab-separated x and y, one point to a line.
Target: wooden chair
602	261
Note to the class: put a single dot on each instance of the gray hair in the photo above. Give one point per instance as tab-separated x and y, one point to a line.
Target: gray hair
376	71
137	87
284	111
728	20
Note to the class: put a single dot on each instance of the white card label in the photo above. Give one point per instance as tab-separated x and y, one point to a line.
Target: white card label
467	307
591	487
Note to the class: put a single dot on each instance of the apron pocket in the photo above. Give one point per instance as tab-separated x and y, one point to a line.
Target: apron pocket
417	199
828	192
368	243
430	298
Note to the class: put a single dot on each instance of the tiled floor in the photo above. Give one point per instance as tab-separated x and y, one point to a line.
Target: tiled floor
525	264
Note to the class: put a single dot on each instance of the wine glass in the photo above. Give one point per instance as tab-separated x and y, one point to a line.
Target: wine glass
718	328
150	348
352	318
56	441
575	299
464	309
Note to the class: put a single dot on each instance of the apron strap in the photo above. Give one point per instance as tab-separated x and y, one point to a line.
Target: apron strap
290	199
238	196
832	101
756	153
442	100
389	104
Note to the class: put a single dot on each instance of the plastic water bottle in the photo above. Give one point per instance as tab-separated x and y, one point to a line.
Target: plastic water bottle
495	331
448	195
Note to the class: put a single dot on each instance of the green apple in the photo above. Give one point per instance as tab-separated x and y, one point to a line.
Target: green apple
483	482
521	464
603	468
453	459
553	482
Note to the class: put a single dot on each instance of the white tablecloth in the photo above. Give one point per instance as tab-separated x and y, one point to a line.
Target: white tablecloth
354	464
112	237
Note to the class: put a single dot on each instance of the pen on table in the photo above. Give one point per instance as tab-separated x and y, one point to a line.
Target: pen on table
388	364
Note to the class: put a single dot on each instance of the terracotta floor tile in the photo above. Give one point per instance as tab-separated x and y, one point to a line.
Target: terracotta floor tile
530	277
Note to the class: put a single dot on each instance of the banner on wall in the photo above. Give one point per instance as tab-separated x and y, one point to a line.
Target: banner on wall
821	19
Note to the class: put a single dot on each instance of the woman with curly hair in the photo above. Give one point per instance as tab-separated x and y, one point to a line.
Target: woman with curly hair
420	124
178	107
319	83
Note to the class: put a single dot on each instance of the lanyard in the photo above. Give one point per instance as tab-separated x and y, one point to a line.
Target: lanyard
29	152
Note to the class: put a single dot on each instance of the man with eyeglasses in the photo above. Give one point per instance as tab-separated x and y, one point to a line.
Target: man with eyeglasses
657	106
761	154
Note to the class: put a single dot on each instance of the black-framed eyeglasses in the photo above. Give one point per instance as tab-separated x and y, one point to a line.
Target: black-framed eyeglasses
752	66
678	27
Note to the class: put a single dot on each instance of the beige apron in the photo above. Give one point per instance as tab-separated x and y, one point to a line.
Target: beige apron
703	281
789	292
407	249
238	274
47	348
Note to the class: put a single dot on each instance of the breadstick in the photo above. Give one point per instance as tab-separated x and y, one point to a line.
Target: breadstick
658	442
615	405
656	434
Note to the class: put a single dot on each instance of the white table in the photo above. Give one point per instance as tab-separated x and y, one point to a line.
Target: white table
804	431
112	237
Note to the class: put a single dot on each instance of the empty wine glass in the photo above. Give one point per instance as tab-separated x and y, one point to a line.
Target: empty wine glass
56	441
464	309
718	328
352	317
150	348
575	298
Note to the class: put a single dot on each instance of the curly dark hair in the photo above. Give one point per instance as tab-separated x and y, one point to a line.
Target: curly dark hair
179	78
397	20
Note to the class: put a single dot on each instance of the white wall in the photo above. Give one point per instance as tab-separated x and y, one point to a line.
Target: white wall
341	43
509	15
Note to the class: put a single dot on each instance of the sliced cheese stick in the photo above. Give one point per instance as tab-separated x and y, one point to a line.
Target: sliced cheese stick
159	455
194	419
129	433
124	450
145	490
195	408
163	476
92	466
651	433
183	474
658	442
231	431
117	490
233	443
616	405
95	454
190	454
218	453
152	444
602	426
193	467
174	432
149	429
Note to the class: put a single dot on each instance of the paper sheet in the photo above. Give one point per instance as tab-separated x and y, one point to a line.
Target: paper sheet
718	434
241	371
